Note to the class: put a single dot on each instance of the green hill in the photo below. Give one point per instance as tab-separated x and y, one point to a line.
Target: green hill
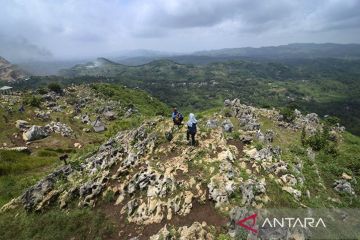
327	86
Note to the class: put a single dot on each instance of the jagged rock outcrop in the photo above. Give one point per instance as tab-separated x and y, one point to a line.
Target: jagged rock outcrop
58	127
154	178
245	114
43	192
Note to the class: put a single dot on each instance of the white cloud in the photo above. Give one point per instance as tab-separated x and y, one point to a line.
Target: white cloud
72	28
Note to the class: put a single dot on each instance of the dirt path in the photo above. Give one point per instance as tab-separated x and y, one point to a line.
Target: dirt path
199	213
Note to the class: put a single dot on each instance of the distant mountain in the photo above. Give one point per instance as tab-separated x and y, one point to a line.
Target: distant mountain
143	53
295	50
10	72
273	53
98	67
45	68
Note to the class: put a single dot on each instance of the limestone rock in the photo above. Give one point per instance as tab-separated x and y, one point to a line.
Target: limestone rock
343	186
22	125
212	123
227	125
35	133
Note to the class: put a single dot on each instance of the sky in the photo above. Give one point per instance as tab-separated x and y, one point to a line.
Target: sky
74	29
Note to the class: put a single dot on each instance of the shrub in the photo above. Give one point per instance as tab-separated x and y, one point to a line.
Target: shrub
33	101
258	146
316	141
55	87
331	120
331	149
235	135
42	91
288	114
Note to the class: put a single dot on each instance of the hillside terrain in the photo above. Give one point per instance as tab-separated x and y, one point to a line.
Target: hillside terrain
326	86
270	53
61	123
140	179
290	51
9	72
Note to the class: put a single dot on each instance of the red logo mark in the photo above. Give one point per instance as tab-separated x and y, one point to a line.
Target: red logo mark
248	227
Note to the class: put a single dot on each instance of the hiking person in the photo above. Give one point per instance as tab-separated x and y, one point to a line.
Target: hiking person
177	117
191	124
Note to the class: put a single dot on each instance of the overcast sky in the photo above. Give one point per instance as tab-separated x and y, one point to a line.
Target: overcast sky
89	28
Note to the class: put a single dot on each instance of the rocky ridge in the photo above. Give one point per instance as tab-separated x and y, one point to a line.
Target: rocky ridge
9	72
154	178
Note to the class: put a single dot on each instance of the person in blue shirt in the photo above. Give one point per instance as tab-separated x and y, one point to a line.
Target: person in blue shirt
191	124
177	117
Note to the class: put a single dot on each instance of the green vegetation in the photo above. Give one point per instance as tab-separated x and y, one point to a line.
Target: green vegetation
33	101
140	100
55	87
324	86
288	114
313	85
55	224
20	170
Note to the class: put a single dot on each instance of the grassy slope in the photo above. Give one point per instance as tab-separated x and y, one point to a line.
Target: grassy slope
330	167
20	170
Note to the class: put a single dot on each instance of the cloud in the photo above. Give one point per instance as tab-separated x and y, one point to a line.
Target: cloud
20	49
71	28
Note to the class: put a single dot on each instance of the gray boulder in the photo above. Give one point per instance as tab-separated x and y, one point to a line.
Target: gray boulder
211	123
35	133
343	186
227	103
110	115
227	125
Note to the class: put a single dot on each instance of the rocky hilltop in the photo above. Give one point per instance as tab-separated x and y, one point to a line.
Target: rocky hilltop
151	184
9	72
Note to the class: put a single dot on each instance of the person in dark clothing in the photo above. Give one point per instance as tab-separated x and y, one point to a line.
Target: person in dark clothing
177	117
191	124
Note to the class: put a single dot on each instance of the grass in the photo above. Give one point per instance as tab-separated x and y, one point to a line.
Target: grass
278	197
283	137
142	101
347	161
55	224
20	170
